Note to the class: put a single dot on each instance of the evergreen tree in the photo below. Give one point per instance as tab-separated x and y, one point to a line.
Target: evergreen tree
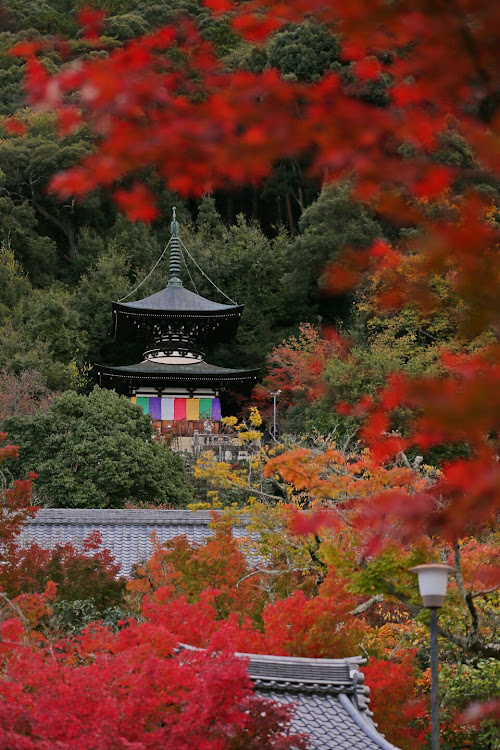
96	451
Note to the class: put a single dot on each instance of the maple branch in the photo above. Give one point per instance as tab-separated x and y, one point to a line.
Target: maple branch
484	592
397	594
490	650
254	491
459	579
65	226
313	552
469	643
467	597
15	607
366	605
278	572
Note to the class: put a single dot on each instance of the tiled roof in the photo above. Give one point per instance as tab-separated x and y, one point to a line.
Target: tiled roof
328	695
329	700
126	533
202	371
178	299
329	724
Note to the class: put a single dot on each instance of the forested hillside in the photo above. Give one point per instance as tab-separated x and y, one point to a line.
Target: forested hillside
62	262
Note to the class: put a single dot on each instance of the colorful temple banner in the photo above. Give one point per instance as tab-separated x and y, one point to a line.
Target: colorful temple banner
175	409
167	409
155	408
180	408
143	401
216	411
205	408
193	408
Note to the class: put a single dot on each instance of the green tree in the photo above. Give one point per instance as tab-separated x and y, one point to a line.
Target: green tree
51	317
11	73
462	684
14	283
137	243
126	26
19	228
335	221
28	161
306	50
105	281
47	17
96	451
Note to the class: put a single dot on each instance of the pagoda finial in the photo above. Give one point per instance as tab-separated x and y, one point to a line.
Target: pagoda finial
175	253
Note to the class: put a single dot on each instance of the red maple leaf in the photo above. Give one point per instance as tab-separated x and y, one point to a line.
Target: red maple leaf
91	21
138	203
15	127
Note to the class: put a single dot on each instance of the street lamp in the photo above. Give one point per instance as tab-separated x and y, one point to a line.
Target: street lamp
274	394
432	582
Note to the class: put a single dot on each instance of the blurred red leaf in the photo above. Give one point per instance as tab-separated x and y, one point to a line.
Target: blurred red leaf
91	21
138	203
303	524
219	6
367	69
25	49
477	712
15	127
68	120
434	183
255	28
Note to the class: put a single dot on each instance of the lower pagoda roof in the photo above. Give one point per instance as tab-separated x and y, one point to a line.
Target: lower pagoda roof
150	372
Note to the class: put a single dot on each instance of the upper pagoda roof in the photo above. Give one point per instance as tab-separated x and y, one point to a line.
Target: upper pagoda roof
177	299
176	312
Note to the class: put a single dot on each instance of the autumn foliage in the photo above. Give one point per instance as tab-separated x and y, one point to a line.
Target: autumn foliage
87	572
181	115
131	689
173	105
15	505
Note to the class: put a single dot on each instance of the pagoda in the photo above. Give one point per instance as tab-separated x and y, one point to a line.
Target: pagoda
174	383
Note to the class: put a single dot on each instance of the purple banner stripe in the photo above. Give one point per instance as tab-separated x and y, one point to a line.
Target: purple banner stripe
155	408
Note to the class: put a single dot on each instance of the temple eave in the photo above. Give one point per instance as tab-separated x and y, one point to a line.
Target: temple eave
121	373
145	312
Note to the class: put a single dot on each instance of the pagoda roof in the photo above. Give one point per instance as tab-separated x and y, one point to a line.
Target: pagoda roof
176	311
175	300
152	371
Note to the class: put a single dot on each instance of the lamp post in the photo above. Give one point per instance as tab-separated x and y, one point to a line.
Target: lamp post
274	394
432	582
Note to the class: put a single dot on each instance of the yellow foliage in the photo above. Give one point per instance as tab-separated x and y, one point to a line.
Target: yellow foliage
249	436
255	418
212	502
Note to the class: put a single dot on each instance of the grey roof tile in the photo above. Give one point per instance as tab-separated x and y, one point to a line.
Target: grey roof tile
126	533
194	371
177	299
327	723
